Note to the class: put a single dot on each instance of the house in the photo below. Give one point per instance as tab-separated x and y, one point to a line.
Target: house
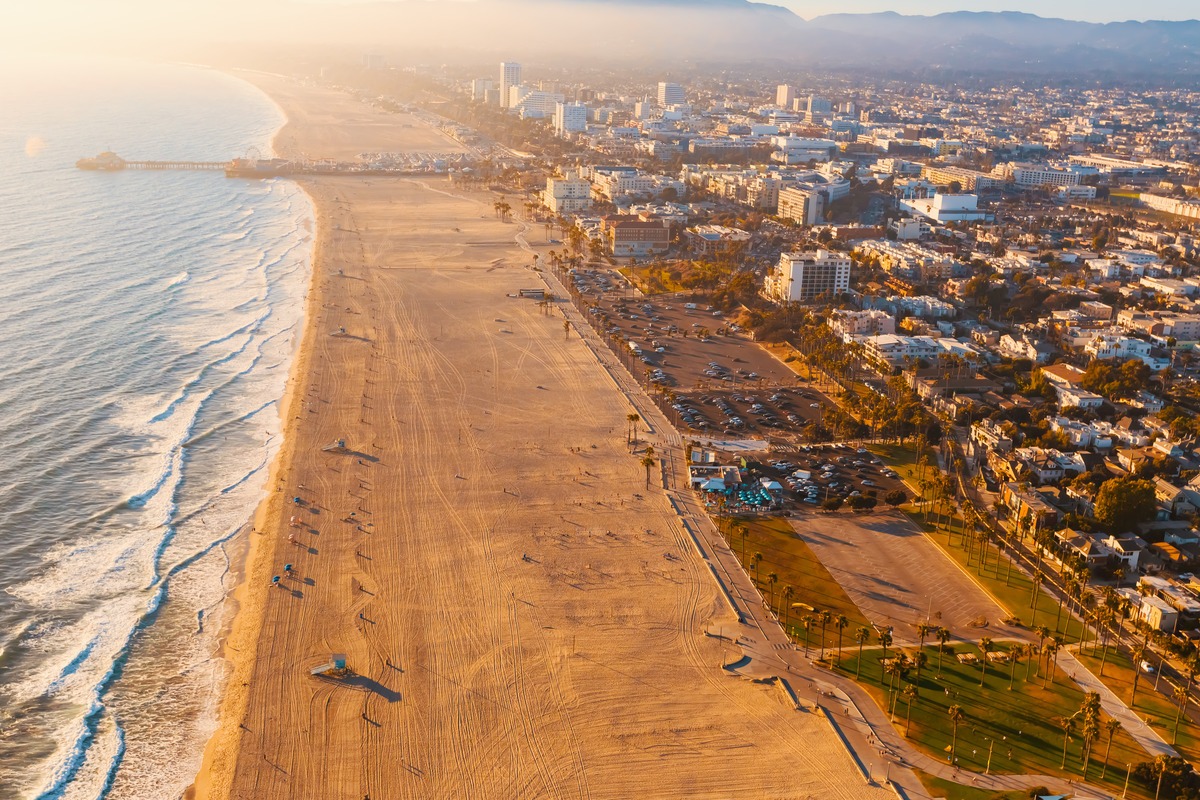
1158	614
1173	498
1080	544
990	436
1127	550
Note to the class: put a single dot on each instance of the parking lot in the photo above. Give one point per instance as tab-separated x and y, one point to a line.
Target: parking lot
723	382
819	472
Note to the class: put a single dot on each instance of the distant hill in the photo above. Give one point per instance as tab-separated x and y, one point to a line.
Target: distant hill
984	40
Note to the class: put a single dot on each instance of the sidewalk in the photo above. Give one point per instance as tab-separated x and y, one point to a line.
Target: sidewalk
1134	725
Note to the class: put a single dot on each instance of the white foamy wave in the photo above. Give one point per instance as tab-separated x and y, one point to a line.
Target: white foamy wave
179	280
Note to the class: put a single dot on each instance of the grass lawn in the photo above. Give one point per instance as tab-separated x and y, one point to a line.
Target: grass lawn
1024	723
954	791
786	554
1149	705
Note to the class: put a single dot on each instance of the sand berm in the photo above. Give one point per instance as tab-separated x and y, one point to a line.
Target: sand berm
523	618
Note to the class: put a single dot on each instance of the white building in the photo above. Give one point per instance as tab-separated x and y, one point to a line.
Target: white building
670	94
784	95
480	88
569	118
861	323
943	208
802	277
510	76
898	351
1042	175
568	194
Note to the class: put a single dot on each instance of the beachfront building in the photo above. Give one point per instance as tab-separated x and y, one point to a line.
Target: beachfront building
803	277
626	235
567	194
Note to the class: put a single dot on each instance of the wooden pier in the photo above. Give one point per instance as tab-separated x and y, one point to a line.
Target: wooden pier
187	165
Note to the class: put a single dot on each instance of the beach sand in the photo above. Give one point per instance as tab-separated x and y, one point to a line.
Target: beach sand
523	617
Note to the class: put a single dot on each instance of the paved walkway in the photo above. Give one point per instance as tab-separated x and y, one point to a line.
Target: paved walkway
1134	725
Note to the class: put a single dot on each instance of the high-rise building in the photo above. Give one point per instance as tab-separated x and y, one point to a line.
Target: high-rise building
373	61
510	75
480	87
784	95
670	94
819	105
803	277
569	118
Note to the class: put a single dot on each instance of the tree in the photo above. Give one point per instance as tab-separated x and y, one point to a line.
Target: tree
648	462
910	694
956	718
1181	694
862	635
832	504
1014	655
1138	654
943	637
772	579
1111	726
1124	502
896	497
756	559
633	420
840	622
885	641
825	617
985	647
787	594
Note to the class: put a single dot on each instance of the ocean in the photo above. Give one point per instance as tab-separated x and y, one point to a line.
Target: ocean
147	325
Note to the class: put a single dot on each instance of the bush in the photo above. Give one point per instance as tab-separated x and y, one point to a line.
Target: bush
832	504
896	497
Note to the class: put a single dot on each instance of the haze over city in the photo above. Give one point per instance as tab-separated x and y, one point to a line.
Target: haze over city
599	399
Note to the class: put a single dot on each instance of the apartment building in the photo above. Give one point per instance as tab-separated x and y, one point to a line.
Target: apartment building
569	118
568	194
802	277
510	76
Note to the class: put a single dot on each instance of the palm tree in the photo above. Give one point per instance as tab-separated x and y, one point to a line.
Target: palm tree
840	622
985	647
910	694
862	635
896	669
1052	648
1068	725
788	593
743	530
633	420
771	580
1111	726
648	462
824	617
943	637
756	559
885	639
1181	695
1043	633
806	622
1139	654
1014	655
956	717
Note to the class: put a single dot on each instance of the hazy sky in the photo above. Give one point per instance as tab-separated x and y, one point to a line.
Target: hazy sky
1091	10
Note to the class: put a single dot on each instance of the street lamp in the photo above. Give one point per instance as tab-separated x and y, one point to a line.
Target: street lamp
1128	769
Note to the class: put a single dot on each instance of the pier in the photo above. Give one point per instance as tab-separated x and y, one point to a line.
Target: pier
214	165
263	167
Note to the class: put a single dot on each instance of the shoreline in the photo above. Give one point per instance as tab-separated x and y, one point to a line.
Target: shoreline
242	628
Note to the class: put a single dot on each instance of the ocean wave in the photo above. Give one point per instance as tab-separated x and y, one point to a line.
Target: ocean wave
179	280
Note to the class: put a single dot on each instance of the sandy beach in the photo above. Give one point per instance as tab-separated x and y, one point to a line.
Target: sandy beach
523	617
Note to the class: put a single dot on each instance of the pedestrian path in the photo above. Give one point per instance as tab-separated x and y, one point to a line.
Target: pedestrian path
1134	725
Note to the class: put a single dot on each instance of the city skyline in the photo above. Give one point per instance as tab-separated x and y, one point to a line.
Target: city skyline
1080	10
